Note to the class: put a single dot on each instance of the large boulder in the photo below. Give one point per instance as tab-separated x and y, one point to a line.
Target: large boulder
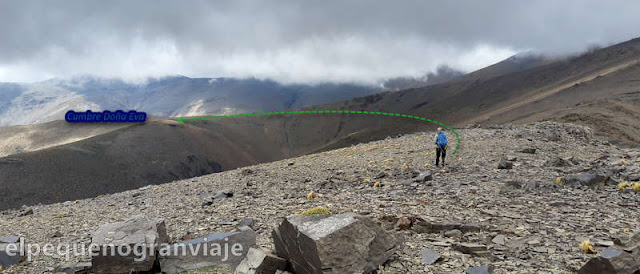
259	261
128	246
342	243
225	250
614	261
10	247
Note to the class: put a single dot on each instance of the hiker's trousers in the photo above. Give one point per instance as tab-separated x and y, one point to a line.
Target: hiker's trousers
440	152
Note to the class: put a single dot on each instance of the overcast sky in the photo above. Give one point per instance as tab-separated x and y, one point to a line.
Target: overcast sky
294	41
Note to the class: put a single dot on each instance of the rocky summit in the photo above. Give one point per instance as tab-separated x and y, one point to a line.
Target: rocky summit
539	198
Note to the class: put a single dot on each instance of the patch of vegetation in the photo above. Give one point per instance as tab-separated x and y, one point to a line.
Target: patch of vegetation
587	247
319	210
61	215
313	195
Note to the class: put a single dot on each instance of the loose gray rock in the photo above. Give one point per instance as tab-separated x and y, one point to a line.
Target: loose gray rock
455	233
552	135
381	175
633	177
512	185
628	242
504	164
530	186
219	196
10	247
73	268
529	150
428	256
610	171
247	171
487	269
424	177
216	250
422	226
342	243
472	248
25	212
519	185
586	179
612	260
247	222
499	239
139	233
559	162
259	261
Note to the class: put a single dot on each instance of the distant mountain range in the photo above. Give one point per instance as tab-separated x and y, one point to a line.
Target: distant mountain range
167	97
174	96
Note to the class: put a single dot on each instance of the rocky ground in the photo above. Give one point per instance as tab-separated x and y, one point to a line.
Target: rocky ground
526	219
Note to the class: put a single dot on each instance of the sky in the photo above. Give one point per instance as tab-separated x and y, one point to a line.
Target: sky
360	41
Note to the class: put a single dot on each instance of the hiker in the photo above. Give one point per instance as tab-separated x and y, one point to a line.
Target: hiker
441	146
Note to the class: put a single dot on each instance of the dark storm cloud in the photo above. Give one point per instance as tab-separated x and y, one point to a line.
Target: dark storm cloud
294	40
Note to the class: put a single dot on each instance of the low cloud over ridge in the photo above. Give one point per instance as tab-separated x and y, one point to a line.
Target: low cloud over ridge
293	41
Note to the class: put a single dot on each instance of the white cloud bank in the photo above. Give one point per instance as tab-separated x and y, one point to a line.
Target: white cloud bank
293	41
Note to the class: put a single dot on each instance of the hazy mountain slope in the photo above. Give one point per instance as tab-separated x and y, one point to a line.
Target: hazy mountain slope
514	96
170	96
441	75
39	103
9	92
609	103
516	63
18	139
155	152
163	150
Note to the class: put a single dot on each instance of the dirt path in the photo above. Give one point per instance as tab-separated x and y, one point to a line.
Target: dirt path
546	92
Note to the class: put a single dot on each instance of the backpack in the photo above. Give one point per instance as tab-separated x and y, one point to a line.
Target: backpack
442	139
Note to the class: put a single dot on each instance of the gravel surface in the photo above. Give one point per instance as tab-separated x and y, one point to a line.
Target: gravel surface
527	222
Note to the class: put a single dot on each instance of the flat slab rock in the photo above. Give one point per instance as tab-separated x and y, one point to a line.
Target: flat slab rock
435	227
342	243
216	250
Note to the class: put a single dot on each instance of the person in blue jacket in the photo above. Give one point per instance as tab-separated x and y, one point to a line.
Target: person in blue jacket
441	146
